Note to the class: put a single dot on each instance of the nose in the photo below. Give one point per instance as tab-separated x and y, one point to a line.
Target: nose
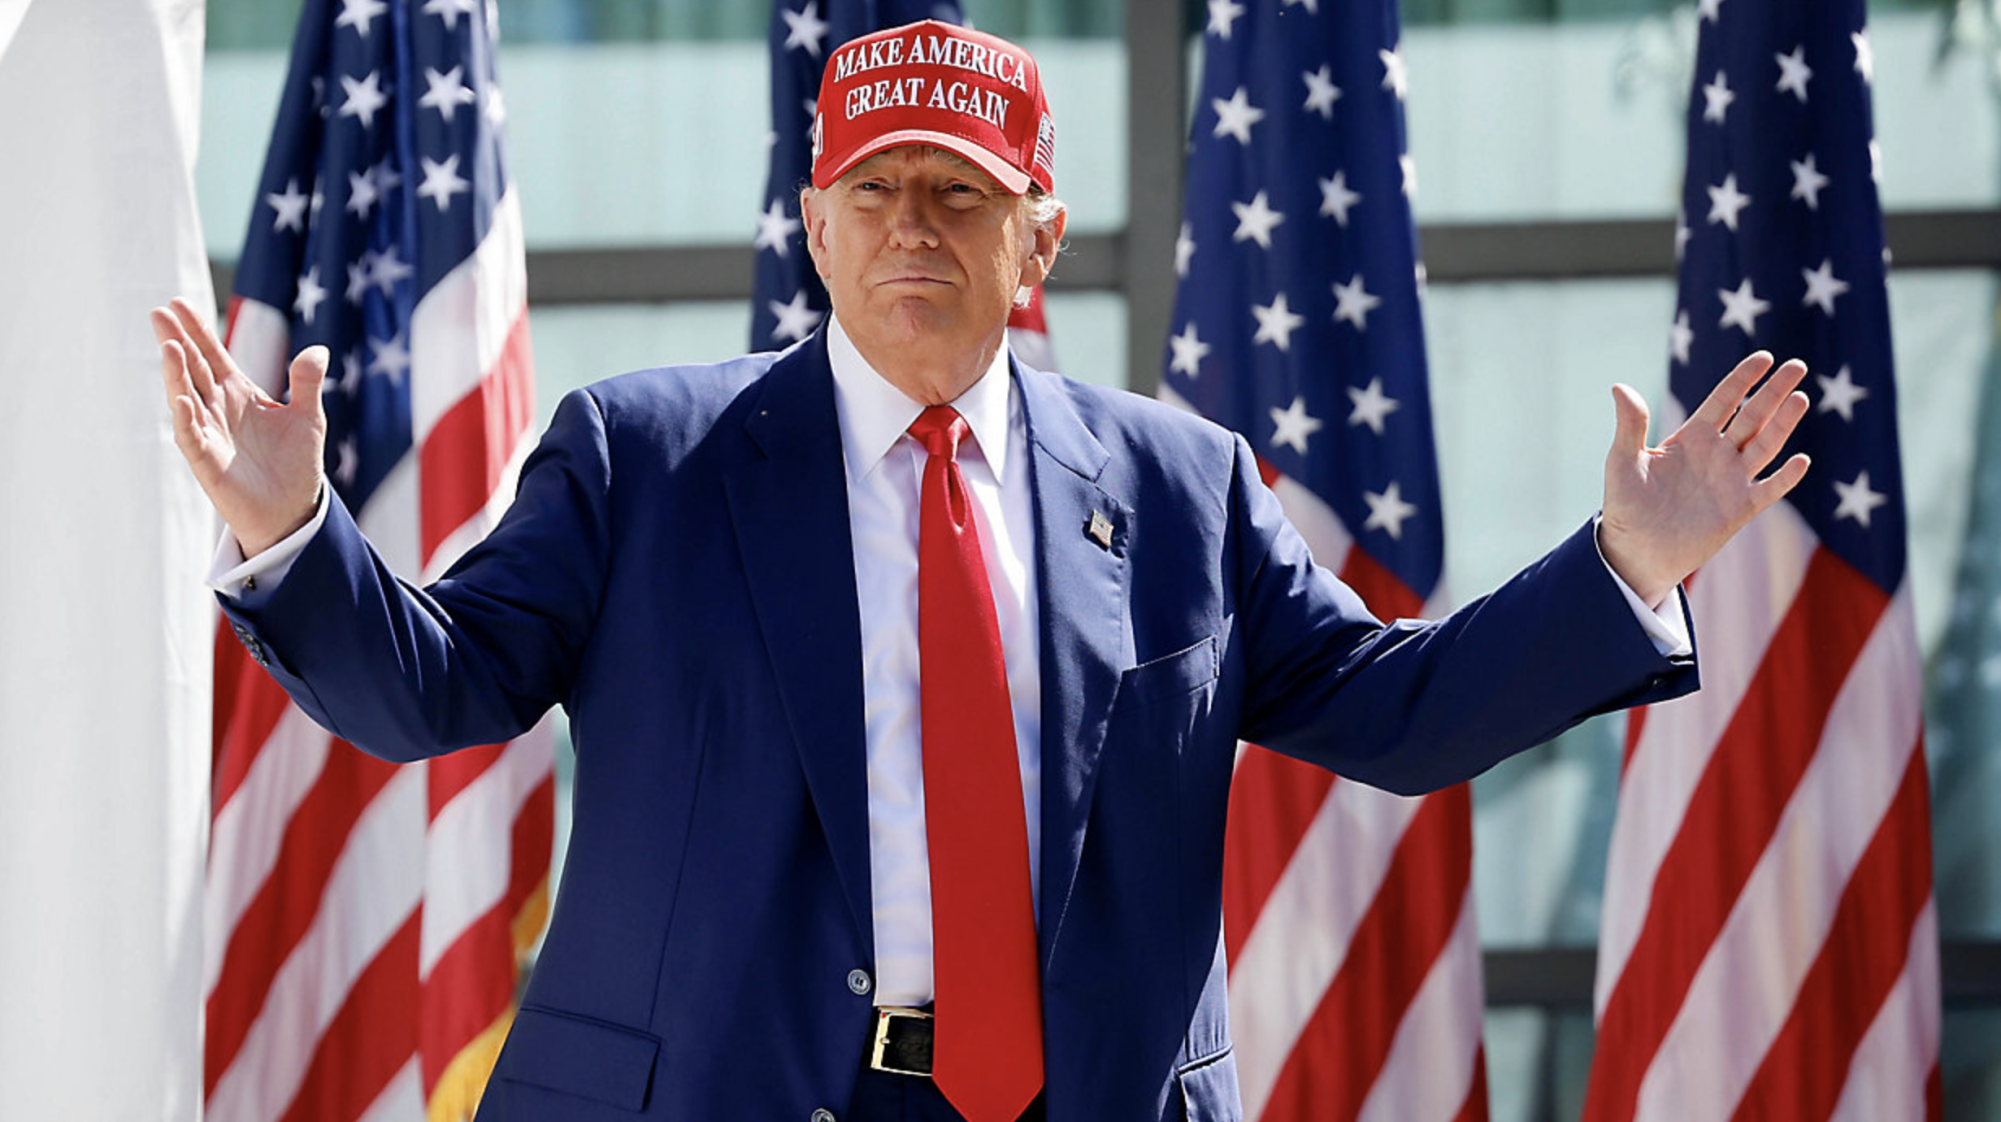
911	224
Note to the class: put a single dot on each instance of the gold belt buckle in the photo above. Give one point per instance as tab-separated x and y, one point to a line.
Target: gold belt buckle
884	1015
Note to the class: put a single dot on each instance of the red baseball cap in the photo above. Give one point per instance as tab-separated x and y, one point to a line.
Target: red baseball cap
935	83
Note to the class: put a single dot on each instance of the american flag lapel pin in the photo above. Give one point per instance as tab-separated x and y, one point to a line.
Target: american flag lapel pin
1100	530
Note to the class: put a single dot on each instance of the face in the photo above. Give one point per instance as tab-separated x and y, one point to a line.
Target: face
922	254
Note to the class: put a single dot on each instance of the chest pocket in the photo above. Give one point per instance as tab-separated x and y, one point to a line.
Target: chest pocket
1169	678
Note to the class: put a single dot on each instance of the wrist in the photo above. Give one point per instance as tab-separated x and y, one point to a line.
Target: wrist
255	540
1628	561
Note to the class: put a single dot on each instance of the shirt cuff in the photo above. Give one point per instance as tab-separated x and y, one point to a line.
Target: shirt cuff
233	576
1665	625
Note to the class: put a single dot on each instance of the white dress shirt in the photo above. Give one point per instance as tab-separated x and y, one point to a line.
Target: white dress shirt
885	466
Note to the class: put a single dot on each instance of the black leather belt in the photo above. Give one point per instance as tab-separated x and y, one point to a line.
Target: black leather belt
902	1041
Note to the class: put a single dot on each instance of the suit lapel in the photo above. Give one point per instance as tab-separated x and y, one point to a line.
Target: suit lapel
1083	590
789	506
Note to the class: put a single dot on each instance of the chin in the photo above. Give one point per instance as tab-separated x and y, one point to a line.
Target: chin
913	319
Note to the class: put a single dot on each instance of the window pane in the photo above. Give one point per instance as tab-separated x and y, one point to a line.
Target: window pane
251	25
1420	12
1970	1063
1416	12
1538	1061
1585	119
1048	19
1087	331
575	346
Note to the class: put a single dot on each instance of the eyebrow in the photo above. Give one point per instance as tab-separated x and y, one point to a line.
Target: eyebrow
949	158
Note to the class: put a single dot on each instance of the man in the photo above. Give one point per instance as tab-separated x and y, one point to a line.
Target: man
900	673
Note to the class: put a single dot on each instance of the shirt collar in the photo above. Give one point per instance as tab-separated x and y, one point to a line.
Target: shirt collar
873	413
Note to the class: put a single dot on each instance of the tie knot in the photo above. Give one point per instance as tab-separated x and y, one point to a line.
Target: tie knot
940	429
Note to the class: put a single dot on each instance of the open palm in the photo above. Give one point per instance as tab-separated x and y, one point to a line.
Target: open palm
1668	509
258	459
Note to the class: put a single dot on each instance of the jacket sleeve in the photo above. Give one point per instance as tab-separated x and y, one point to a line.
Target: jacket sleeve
1413	706
476	658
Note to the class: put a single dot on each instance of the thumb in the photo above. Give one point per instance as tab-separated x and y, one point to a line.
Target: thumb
1630	438
308	374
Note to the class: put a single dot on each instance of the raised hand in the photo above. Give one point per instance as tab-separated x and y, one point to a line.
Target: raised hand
1669	509
258	459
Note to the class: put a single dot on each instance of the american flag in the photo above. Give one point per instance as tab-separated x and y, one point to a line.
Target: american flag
1769	946
788	301
365	921
1355	987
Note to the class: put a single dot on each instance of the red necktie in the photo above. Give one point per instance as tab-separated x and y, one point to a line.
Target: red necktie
987	1056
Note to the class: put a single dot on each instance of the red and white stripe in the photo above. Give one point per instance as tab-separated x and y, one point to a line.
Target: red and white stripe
365	921
1769	945
1348	921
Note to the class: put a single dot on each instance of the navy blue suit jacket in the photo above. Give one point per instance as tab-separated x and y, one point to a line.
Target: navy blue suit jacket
676	572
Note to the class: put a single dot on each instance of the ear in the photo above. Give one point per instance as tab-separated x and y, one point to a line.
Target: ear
1042	254
812	211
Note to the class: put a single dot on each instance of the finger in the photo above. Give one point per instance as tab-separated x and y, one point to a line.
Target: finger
1629	439
176	373
182	404
164	325
1774	435
174	369
167	329
214	357
188	329
187	428
173	365
1751	419
1774	487
1729	393
308	374
193	320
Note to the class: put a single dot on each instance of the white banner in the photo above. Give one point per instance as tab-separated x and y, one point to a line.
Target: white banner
105	629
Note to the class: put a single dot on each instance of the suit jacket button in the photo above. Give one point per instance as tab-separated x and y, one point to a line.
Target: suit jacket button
859	983
823	1115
